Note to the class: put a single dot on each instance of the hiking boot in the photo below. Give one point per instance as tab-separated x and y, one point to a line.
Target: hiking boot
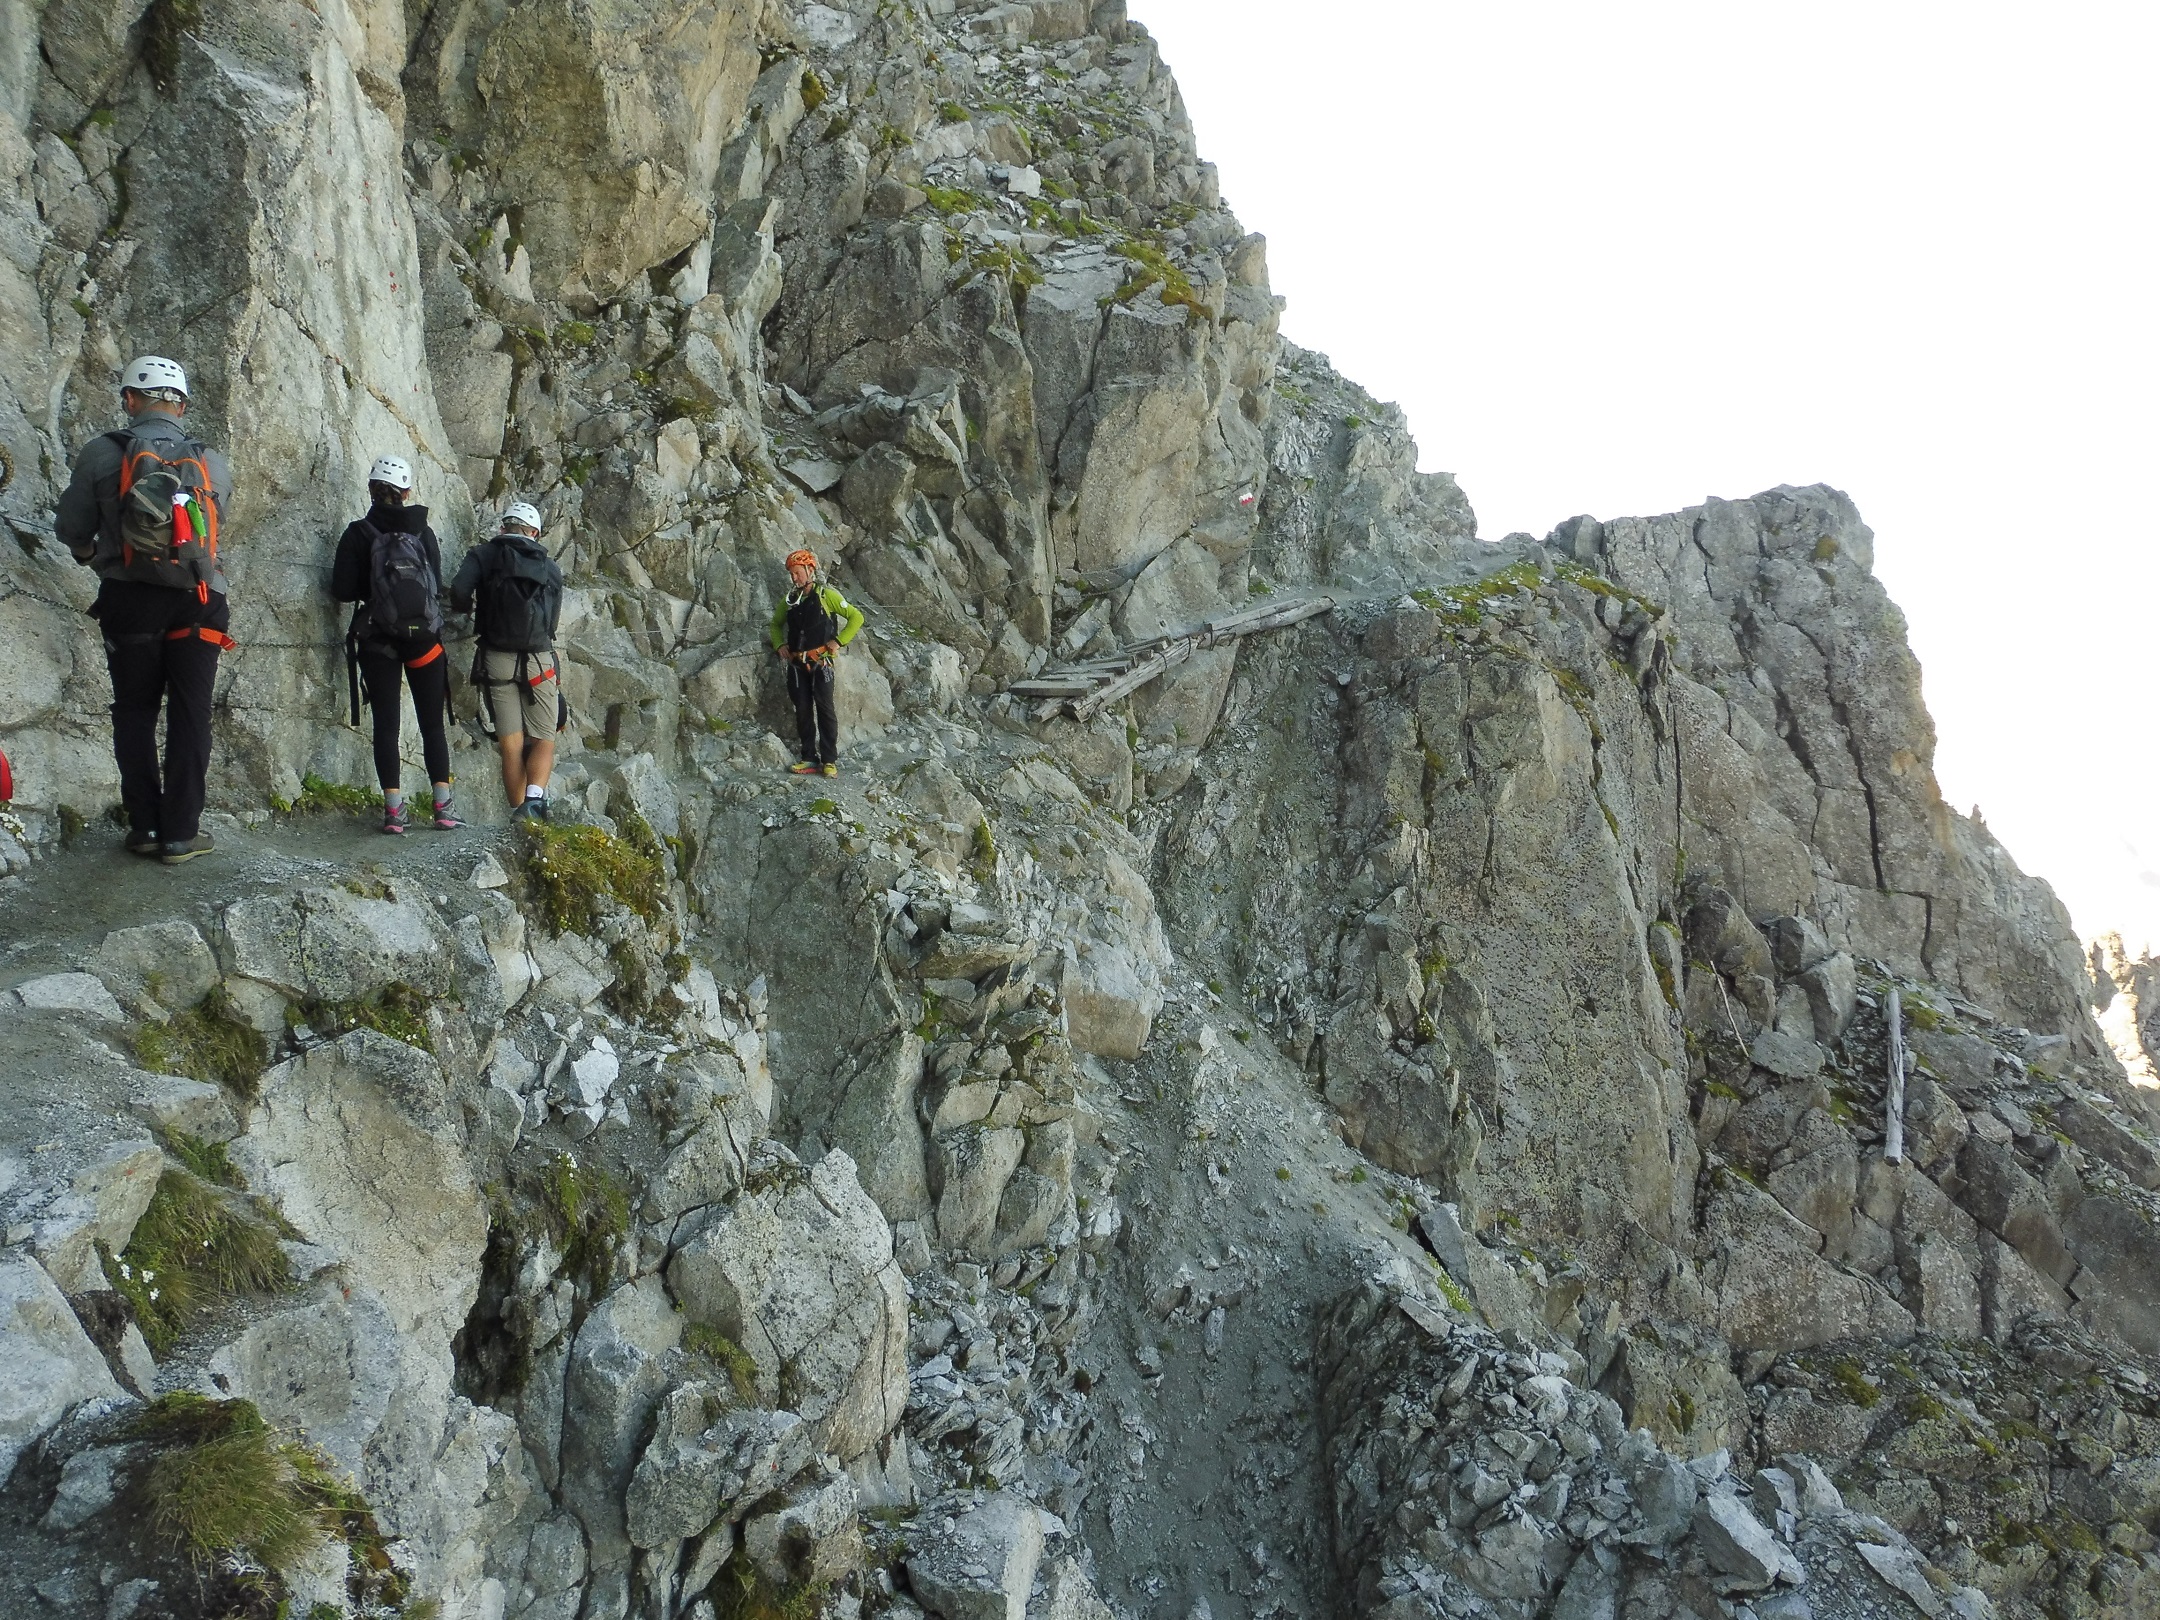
832	770
446	817
804	767
394	818
186	850
144	843
530	810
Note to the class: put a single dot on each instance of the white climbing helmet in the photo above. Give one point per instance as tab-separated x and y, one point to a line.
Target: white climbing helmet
519	512
391	470
154	374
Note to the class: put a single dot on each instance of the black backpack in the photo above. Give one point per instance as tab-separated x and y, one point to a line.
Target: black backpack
403	593
520	596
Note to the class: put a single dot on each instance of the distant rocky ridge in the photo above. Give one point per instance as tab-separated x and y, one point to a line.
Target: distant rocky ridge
1390	1120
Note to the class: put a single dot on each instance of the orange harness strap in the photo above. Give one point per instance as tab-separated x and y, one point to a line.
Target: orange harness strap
425	658
217	638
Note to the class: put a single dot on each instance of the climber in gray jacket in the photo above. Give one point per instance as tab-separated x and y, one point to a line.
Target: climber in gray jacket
142	510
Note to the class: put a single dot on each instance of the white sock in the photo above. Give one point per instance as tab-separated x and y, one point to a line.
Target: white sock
533	790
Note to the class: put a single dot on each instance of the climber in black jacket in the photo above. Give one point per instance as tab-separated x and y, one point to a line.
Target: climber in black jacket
390	564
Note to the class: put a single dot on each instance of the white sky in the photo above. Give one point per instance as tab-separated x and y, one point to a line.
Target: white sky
1614	258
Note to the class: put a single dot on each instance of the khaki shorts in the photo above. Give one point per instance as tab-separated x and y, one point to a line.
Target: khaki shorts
531	705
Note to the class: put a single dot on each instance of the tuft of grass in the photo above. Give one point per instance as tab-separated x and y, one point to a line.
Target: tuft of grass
986	851
321	797
397	1010
226	1484
742	1592
1853	1384
1453	1292
206	1161
1680	1412
210	1042
1152	267
196	1247
951	112
228	1489
814	93
588	1217
573	869
703	1339
950	200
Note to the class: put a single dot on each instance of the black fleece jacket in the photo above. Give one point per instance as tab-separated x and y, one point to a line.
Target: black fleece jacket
349	572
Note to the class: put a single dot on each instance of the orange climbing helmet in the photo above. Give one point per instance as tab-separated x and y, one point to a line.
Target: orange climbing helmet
804	559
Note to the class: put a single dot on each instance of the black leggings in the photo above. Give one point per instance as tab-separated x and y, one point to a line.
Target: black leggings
380	666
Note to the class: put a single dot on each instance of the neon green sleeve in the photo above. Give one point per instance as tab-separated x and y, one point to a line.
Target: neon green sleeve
779	625
837	604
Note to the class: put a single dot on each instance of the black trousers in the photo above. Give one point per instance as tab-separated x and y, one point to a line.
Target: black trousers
817	722
150	670
381	663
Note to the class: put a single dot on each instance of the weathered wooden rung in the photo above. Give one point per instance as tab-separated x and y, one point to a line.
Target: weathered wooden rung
1254	620
1132	680
1084	689
1051	689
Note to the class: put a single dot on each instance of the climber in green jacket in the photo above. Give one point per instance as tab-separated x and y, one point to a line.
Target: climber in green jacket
809	627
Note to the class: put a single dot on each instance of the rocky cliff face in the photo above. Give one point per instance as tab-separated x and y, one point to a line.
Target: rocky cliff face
1390	1116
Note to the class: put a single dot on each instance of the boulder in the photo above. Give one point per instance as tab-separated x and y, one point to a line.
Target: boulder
709	1458
1833	992
83	994
616	1378
328	1369
2006	1199
51	1363
156	965
975	1164
106	1195
1771	1287
336	945
1679	1384
710	1163
810	1538
1736	1542
800	1273
1111	994
1491	1283
984	1566
167	1103
357	1144
90	1481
